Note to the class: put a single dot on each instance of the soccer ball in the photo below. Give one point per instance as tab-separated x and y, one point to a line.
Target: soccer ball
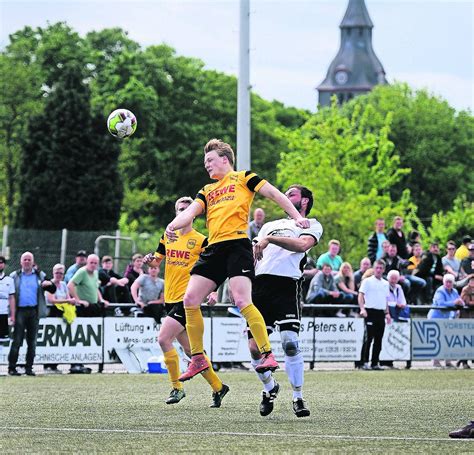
121	123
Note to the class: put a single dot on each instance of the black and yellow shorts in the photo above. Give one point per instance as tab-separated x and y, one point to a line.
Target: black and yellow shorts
176	311
225	260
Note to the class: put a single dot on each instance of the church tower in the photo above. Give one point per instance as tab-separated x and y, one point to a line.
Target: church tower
356	68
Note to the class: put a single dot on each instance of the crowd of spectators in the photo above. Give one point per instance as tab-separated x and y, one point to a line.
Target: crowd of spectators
328	279
86	289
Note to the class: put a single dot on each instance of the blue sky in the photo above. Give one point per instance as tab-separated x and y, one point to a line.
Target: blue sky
428	44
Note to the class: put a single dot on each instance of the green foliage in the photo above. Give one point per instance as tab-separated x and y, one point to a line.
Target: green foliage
453	224
430	138
69	174
350	167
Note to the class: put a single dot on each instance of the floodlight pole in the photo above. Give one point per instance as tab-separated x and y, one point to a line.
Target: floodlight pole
243	89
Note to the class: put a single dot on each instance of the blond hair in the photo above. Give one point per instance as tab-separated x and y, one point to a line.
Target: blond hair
222	149
185	199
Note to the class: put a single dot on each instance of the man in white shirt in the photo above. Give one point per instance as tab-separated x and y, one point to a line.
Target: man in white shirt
373	304
280	251
7	299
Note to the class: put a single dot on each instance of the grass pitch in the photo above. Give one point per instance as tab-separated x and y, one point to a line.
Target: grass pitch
351	411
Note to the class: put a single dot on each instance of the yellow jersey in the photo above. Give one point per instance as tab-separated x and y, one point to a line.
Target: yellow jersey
227	204
180	256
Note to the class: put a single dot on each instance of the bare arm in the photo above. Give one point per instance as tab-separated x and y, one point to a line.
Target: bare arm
11	301
183	219
71	286
270	192
361	301
134	291
298	245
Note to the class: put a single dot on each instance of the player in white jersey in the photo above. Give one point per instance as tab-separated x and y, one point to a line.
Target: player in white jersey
280	253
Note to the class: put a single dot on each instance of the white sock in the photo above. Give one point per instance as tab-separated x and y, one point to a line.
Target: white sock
294	367
266	378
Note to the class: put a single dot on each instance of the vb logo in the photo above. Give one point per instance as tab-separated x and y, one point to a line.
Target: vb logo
426	343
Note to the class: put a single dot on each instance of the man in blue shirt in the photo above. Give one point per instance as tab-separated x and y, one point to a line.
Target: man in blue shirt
81	259
29	307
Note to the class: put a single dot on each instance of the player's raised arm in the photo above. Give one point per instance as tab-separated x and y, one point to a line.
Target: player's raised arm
270	192
183	219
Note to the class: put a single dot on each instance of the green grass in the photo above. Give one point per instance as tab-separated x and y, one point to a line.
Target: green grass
119	413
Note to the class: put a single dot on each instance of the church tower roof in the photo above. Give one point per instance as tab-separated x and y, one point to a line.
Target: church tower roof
355	69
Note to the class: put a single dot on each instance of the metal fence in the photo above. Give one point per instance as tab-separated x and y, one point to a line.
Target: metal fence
51	247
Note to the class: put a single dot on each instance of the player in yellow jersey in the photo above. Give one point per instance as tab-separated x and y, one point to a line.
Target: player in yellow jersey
180	256
229	253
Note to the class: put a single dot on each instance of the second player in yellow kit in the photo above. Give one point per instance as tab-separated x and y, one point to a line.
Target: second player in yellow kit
180	256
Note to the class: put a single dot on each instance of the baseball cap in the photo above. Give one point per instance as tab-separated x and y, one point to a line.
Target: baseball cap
466	239
82	253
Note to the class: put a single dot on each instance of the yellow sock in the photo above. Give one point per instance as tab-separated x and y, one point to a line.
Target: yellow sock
211	377
257	326
195	329
172	365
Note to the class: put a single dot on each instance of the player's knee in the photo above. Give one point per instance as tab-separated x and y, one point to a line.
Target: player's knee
290	344
190	300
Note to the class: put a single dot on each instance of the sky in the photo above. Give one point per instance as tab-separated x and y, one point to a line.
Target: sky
428	44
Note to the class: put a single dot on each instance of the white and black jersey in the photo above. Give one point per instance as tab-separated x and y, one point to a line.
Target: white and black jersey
279	261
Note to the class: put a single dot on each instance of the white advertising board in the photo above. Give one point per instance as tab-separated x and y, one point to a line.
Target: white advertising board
58	342
396	341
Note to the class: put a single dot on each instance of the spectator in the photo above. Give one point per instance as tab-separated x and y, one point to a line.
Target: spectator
373	296
450	263
415	260
385	247
397	307
27	308
445	297
394	262
81	257
112	286
431	270
135	269
309	271
417	284
463	251
331	257
148	293
84	287
467	264
413	238
345	284
323	290
7	299
256	224
365	265
396	236
374	244
62	305
467	312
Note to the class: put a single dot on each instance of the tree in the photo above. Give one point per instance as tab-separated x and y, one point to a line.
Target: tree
351	168
69	176
21	97
431	139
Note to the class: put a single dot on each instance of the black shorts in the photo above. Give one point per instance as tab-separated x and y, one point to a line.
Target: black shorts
176	311
225	260
278	299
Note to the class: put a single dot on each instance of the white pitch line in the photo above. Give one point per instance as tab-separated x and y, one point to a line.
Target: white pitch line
232	433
